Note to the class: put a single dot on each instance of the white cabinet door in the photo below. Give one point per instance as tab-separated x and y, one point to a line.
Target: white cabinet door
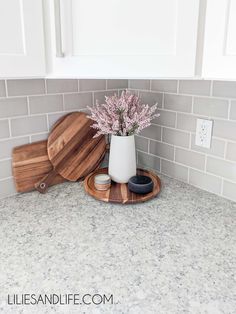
219	59
21	38
127	38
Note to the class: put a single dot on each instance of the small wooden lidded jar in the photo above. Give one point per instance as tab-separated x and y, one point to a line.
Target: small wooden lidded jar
102	182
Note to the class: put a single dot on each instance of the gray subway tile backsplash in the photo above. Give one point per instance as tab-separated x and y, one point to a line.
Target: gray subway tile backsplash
233	110
117	84
151	98
10	107
5	169
153	132
162	150
174	170
100	96
6	146
167	86
2	88
7	187
45	104
186	122
39	137
149	161
77	101
92	85
224	89
231	151
190	158
61	86
4	129
141	143
225	129
229	189
166	118
178	102
176	137
195	87
205	181
28	125
217	147
29	107
26	87
213	107
53	117
139	84
221	168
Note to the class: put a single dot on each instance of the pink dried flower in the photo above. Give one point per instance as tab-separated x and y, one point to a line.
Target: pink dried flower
124	115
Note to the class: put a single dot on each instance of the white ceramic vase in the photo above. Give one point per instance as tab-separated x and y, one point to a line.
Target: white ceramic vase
122	159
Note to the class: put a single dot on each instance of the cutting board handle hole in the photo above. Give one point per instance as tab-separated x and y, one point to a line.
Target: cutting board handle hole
42	185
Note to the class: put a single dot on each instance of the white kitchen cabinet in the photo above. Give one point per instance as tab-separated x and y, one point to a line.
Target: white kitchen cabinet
21	38
219	59
122	38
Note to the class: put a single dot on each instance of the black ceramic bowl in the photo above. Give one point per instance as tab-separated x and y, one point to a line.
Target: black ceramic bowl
140	184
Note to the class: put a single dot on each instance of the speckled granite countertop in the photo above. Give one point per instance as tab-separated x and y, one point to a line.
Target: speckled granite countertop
174	254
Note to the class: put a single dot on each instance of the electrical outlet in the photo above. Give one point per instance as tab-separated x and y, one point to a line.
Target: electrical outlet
203	133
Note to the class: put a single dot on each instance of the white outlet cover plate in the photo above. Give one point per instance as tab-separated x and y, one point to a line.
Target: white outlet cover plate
204	133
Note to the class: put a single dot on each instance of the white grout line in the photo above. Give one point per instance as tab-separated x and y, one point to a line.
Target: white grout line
7	178
176	120
47	122
28	105
93	98
190	140
211	89
45	86
192	105
229	108
9	126
160	165
63	102
6	87
6	159
148	146
177	87
225	150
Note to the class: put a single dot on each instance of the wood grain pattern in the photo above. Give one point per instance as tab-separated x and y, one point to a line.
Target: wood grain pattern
72	150
119	192
30	163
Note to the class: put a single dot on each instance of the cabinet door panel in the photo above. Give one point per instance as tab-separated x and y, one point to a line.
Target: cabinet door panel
134	27
21	34
128	38
11	28
220	40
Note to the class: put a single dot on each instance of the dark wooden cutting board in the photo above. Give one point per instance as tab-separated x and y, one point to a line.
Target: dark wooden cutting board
30	163
72	149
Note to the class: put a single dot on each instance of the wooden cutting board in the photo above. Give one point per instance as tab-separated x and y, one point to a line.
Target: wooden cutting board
119	192
72	150
30	163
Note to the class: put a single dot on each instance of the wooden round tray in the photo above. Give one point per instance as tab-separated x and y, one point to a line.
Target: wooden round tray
119	192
